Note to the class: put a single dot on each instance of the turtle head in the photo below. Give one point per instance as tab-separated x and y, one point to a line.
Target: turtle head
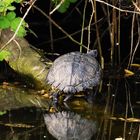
93	53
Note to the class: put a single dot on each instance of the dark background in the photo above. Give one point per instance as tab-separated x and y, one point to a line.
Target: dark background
71	21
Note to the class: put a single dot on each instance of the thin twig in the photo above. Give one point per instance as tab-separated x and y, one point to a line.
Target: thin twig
54	23
132	40
128	11
83	24
138	134
118	37
72	34
18	25
137	45
57	7
98	37
51	32
136	6
19	47
89	26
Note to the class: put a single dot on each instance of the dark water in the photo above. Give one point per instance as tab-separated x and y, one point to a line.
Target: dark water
114	113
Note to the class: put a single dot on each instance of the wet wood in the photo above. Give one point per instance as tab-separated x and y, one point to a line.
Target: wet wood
12	97
24	59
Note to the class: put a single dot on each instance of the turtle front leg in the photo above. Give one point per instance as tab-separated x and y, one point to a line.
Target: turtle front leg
55	97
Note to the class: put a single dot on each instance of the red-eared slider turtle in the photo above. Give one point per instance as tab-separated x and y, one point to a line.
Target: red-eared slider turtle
74	72
70	126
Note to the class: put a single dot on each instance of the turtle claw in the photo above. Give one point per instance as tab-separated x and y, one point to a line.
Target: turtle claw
68	97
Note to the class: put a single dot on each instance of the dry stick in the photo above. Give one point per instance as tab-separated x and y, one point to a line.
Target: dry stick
118	37
113	109
135	49
107	107
61	2
126	112
110	25
54	23
136	6
112	34
83	24
132	54
89	26
137	45
132	40
18	25
138	134
51	31
132	119
72	34
130	105
19	47
128	11
98	37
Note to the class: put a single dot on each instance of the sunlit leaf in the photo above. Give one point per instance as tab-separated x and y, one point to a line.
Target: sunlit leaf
11	8
1	9
4	23
11	15
15	23
8	2
4	55
21	32
18	1
2	113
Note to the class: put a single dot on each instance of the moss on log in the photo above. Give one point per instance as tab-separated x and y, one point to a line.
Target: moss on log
24	59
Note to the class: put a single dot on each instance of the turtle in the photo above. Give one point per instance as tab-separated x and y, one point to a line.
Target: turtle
74	72
67	125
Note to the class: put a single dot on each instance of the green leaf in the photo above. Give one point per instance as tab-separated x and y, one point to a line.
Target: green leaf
72	1
4	23
14	24
22	32
4	55
62	9
11	8
10	16
18	1
2	112
7	2
1	3
1	9
64	6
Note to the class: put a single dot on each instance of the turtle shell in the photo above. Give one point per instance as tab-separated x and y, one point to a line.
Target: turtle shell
75	72
70	126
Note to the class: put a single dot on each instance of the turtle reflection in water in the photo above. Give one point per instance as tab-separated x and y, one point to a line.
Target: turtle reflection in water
74	72
70	126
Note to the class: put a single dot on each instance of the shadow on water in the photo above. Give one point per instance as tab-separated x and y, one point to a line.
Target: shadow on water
114	115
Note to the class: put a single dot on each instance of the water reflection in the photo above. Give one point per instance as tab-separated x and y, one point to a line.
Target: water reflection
70	126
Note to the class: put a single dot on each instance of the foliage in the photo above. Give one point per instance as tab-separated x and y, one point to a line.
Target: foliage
64	6
7	5
8	17
11	21
4	54
2	112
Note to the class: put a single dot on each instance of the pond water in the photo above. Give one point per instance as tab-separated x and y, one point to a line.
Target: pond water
113	115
